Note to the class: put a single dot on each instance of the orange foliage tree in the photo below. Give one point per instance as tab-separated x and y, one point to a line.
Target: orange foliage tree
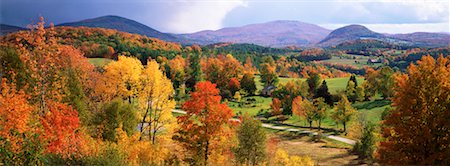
204	122
417	130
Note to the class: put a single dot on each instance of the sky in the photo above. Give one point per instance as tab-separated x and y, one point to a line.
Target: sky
186	16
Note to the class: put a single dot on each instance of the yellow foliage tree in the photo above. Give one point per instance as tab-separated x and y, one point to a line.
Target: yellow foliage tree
121	79
156	103
281	158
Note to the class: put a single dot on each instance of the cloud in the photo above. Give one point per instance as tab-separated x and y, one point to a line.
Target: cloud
193	15
400	28
391	11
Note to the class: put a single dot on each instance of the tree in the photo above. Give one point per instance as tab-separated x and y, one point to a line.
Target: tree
321	110
359	93
305	109
114	114
288	92
252	138
353	78
343	112
195	70
268	71
350	91
156	102
204	121
276	107
60	124
248	83
386	82
234	85
366	146
313	83
416	130
323	92
121	79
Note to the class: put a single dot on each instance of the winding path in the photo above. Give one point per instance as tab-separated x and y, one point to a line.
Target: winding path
292	129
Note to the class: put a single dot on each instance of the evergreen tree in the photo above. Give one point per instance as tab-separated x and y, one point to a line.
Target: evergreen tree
323	92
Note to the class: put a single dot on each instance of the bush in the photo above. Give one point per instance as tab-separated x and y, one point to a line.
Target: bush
366	146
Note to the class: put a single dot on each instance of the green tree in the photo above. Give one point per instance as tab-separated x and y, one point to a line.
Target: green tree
113	115
343	112
323	92
248	83
313	83
350	91
321	110
365	147
251	149
268	71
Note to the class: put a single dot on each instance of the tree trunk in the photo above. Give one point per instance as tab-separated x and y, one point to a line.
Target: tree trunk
320	122
310	124
206	152
345	129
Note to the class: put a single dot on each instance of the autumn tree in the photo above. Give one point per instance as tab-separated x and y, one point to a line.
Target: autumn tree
304	108
248	83
252	138
343	112
276	107
156	102
234	85
416	130
121	79
268	71
386	82
288	92
203	123
114	114
195	70
350	91
321	110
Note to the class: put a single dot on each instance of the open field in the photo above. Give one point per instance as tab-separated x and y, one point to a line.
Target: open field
99	62
359	60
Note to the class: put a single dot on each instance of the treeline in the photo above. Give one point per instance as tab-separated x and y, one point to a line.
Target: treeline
368	47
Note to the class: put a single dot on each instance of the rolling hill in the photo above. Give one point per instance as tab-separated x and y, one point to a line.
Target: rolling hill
122	24
4	29
349	33
273	34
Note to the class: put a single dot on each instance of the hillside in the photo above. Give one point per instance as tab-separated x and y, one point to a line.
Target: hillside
4	29
425	38
122	24
273	34
348	33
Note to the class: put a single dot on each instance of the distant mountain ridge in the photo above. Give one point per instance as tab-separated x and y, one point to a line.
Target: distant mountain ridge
121	24
4	29
280	33
274	34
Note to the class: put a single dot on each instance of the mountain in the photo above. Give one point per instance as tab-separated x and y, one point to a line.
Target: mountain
4	29
349	33
122	24
273	34
425	38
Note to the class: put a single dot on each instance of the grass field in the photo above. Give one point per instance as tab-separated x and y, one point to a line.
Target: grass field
99	62
359	60
334	84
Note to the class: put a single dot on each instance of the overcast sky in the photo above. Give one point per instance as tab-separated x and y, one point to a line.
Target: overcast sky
184	16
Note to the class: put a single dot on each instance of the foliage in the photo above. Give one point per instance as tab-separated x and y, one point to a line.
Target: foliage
313	83
288	92
276	107
268	71
416	130
155	103
248	83
322	92
203	123
281	158
304	108
115	114
343	112
252	138
366	146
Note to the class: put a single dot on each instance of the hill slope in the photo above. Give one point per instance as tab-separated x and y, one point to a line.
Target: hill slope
122	24
274	34
348	33
4	29
425	38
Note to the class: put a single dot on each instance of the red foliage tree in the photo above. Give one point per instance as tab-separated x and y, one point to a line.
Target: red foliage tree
204	121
